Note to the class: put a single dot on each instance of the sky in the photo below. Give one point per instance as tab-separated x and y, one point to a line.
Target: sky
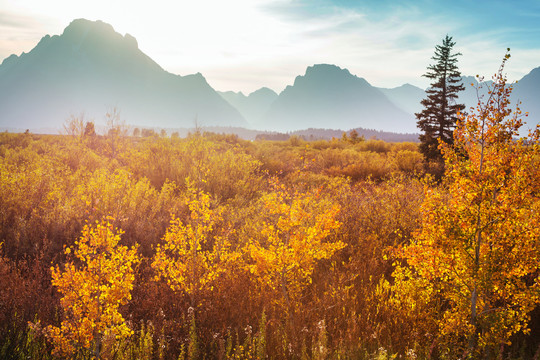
243	45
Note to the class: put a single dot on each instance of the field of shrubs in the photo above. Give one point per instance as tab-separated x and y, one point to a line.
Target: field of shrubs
213	247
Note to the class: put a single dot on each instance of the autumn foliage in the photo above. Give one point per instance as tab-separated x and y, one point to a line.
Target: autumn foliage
470	274
93	292
212	247
292	238
192	255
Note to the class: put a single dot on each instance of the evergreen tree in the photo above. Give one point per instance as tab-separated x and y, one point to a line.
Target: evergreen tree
438	118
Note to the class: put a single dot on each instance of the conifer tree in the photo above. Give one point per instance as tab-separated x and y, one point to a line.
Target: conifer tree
438	118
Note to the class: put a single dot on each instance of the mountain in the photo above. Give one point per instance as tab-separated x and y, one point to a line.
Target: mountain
527	90
253	106
329	96
473	90
407	97
91	68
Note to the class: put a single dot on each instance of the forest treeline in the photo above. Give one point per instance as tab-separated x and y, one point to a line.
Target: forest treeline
213	247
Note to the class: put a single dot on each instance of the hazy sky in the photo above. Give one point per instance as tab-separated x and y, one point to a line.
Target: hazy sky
242	45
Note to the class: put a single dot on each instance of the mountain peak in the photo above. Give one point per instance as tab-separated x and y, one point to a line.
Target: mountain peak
264	91
80	26
329	94
327	71
318	68
533	75
131	41
98	33
9	60
321	74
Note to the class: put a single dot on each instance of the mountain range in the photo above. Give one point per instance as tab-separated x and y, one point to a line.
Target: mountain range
91	68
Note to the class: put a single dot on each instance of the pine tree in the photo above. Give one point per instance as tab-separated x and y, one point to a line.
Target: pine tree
438	118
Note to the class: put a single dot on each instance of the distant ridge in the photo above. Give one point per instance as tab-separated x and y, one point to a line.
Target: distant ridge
407	97
527	91
254	106
329	96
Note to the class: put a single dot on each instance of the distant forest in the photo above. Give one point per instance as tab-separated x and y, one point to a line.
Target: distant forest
310	134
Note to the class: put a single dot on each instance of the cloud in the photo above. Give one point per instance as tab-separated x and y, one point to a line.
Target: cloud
385	46
22	32
392	42
10	20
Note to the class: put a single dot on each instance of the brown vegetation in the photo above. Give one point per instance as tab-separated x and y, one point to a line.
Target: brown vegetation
210	247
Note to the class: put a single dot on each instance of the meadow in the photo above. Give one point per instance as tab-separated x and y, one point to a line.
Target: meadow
117	246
